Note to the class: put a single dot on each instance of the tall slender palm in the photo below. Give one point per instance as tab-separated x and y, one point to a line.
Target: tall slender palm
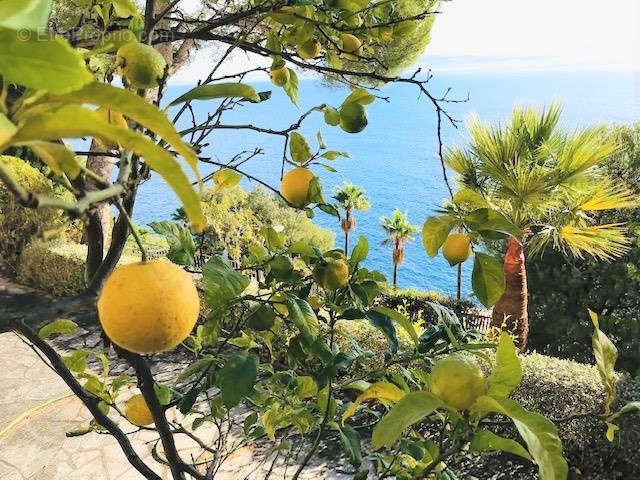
350	198
398	232
547	183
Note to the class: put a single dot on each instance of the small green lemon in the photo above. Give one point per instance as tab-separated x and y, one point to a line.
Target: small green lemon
309	49
353	118
332	274
141	64
279	76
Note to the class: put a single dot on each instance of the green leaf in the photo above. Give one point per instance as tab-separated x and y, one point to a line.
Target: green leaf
292	87
307	387
487	441
435	231
486	219
612	428
163	393
332	155
383	323
120	381
470	197
360	96
302	248
127	103
57	157
331	116
221	282
383	391
24	60
412	408
360	251
237	378
72	121
631	408
351	444
225	178
507	373
321	144
273	240
401	320
78	432
24	14
219	90
196	367
300	313
57	327
299	148
125	8
487	279
606	355
77	361
181	246
540	435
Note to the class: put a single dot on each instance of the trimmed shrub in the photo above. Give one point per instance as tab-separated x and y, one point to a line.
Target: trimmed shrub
414	304
57	267
19	225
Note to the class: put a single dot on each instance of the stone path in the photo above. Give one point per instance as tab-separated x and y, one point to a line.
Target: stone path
37	408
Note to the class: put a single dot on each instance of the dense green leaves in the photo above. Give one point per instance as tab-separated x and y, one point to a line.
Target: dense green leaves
488	220
221	282
487	279
181	246
412	408
540	435
507	372
25	56
606	354
218	90
401	320
435	231
237	378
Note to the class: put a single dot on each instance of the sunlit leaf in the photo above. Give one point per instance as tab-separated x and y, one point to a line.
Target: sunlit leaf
401	320
507	373
219	90
487	279
487	441
383	391
182	248
57	327
299	148
221	282
24	14
237	378
435	231
57	156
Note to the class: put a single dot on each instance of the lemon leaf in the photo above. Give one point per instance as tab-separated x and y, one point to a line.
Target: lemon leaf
72	121
299	148
219	90
226	178
57	327
384	391
359	95
487	441
125	8
507	373
435	231
401	320
24	60
221	282
487	279
237	378
292	87
126	103
24	14
606	355
57	156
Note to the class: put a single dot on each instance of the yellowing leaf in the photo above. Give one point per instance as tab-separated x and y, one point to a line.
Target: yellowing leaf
7	129
72	121
507	373
299	148
125	8
226	178
24	14
57	156
383	391
612	428
48	64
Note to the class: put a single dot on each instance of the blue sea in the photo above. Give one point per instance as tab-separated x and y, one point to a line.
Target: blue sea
395	157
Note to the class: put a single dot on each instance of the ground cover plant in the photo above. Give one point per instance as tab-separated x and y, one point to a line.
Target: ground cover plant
259	333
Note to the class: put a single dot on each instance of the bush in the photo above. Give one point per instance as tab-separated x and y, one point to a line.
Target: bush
414	303
57	267
557	388
18	225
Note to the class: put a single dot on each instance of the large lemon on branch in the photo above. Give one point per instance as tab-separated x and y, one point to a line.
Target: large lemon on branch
351	46
457	380
279	76
295	186
148	307
456	248
142	65
137	411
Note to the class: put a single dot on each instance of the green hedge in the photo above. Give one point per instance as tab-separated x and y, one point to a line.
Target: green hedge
57	267
414	304
19	225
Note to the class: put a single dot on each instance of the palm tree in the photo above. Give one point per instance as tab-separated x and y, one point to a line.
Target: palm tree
548	184
398	231
350	198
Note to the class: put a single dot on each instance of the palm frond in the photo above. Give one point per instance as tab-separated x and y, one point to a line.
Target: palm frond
607	196
397	228
351	197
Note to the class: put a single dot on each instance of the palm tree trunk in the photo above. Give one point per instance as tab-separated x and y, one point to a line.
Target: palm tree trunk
395	275
459	289
346	228
513	303
346	242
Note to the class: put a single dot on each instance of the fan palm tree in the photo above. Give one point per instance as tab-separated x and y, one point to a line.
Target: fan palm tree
350	198
548	184
398	232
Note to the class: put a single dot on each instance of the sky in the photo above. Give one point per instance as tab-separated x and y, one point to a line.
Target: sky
511	35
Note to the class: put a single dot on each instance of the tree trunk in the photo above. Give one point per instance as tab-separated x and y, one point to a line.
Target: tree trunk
513	303
459	290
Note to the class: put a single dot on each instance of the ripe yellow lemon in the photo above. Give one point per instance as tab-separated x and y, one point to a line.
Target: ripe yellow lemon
137	411
295	186
309	49
333	274
279	76
114	118
148	307
457	380
142	65
456	248
351	46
